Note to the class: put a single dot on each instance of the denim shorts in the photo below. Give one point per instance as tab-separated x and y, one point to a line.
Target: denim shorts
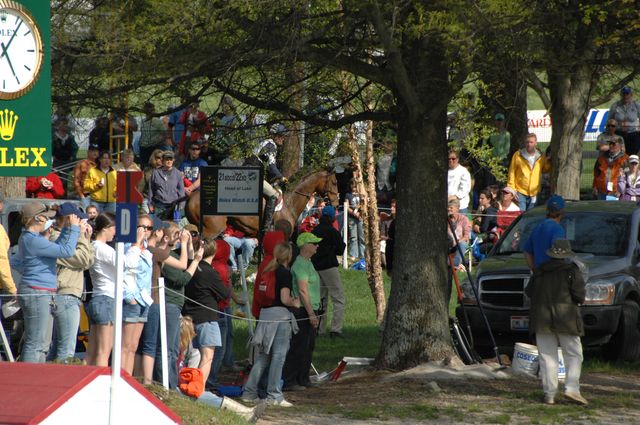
207	335
100	310
134	313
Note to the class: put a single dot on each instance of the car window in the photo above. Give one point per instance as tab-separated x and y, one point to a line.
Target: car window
595	233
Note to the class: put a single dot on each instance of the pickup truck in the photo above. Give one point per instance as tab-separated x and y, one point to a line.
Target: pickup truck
606	237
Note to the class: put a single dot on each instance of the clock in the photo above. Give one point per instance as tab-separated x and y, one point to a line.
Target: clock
21	50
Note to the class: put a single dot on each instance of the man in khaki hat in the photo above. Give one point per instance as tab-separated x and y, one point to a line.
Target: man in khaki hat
556	290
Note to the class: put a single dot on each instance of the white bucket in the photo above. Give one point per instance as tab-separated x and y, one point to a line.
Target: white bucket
525	359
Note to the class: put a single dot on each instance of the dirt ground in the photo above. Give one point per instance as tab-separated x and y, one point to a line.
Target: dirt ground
370	398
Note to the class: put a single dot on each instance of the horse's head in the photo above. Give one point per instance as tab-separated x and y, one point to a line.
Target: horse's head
330	187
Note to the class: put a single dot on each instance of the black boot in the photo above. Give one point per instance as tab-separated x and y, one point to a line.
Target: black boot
269	210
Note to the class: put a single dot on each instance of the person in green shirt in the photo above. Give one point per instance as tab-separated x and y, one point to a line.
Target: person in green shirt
306	286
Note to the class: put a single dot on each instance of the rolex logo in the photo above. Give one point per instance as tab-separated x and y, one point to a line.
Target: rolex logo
7	124
3	16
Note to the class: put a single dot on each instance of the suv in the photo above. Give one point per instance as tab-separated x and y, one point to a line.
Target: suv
606	237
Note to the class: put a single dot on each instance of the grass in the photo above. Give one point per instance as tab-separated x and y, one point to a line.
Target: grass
192	412
362	338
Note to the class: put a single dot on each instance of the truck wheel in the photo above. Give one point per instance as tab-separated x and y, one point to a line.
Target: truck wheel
625	343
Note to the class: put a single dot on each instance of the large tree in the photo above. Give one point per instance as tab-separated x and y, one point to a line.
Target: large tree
416	54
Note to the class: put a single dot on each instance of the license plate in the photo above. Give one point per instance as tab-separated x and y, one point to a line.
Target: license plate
519	323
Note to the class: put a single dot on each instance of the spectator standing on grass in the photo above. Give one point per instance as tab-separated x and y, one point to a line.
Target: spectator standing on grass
6	279
525	171
626	112
325	261
556	290
609	135
151	132
100	182
544	234
458	181
354	221
607	169
80	172
172	266
202	295
273	334
66	315
99	136
39	276
190	167
64	148
166	187
47	187
385	225
629	181
306	286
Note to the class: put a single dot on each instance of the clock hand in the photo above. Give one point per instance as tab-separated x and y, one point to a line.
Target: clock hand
4	49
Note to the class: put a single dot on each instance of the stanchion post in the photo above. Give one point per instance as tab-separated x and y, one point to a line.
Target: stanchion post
345	225
116	354
163	333
245	294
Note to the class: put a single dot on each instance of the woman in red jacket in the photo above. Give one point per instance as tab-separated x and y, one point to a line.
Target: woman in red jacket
48	187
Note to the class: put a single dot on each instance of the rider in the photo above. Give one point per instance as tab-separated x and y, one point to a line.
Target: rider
265	155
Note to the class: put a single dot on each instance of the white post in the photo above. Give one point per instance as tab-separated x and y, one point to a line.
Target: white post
163	334
116	359
245	294
345	222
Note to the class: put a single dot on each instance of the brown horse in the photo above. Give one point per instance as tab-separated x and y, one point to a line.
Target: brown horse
320	182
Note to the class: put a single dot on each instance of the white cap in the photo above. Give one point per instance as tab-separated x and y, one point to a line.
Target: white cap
634	159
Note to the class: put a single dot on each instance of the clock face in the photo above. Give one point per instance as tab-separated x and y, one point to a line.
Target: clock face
21	51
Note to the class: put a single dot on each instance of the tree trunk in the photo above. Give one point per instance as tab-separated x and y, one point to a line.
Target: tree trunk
372	231
570	96
291	146
13	187
416	327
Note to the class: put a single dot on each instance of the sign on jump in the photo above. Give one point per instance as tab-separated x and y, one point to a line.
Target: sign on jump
232	191
127	205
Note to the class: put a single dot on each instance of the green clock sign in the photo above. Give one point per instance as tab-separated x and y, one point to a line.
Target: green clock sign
25	88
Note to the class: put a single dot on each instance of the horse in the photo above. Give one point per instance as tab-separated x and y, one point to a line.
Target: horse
320	182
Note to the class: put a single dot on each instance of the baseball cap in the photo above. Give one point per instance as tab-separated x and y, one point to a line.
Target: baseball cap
510	190
306	238
329	211
626	90
157	223
67	208
278	129
634	159
35	208
555	203
168	154
499	117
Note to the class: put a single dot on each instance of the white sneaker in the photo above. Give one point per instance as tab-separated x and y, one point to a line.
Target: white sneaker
250	399
280	403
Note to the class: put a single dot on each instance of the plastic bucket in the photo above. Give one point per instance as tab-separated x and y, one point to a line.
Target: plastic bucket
525	359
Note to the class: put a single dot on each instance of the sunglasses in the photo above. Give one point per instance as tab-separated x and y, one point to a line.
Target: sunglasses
611	126
452	159
148	228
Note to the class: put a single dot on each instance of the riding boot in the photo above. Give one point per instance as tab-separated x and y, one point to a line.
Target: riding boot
250	414
269	210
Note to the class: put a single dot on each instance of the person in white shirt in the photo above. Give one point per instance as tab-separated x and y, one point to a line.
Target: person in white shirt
458	181
103	278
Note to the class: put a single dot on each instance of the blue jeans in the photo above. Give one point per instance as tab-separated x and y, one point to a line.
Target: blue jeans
105	206
526	202
150	332
218	355
36	309
66	320
173	346
274	361
246	247
356	238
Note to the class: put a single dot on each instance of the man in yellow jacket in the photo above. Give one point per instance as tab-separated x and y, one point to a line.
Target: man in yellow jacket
527	165
100	183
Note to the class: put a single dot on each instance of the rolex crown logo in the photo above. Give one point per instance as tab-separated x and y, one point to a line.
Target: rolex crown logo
3	16
7	124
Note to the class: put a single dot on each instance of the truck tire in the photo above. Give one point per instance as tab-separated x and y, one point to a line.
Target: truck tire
625	343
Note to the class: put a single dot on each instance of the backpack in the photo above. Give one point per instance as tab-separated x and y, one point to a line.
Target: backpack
264	293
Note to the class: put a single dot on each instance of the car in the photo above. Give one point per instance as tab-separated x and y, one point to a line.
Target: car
606	237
